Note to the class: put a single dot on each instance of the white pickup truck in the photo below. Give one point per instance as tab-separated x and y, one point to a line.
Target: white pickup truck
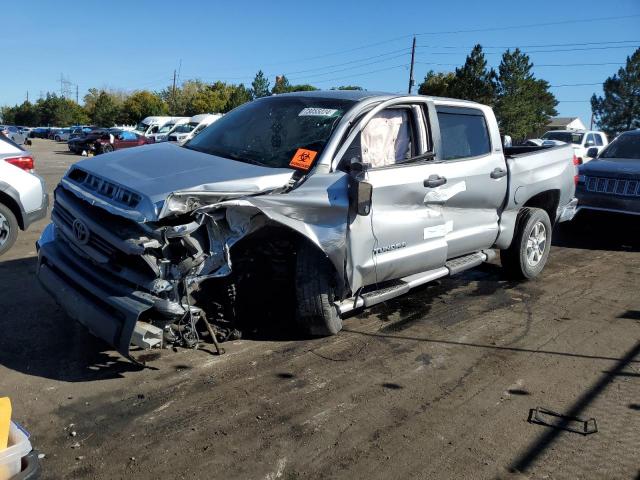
312	202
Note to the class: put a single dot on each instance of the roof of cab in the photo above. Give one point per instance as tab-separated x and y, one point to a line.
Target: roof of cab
358	95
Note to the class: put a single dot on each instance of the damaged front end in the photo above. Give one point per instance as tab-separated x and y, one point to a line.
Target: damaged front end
169	280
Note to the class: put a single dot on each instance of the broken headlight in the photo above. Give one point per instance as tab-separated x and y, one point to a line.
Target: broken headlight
179	204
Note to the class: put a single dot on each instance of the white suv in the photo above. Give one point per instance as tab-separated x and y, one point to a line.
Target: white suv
23	196
580	140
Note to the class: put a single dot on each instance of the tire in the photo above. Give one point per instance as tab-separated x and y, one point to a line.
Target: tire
8	228
57	138
316	292
529	250
107	148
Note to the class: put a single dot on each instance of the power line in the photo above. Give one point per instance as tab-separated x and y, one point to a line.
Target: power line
526	52
575	84
405	65
537	46
530	25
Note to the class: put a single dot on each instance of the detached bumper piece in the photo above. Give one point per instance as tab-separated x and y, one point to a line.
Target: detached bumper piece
109	309
542	416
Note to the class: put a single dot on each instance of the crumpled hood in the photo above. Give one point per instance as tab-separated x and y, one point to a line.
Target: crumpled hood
155	171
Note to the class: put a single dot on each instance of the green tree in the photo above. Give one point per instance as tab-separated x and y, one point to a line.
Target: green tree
141	104
347	87
26	114
437	84
524	104
474	81
59	111
619	109
260	86
239	95
105	111
282	85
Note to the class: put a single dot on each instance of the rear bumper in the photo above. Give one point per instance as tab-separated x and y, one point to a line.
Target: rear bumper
108	309
568	211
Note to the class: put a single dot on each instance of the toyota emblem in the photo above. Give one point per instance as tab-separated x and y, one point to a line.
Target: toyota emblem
80	232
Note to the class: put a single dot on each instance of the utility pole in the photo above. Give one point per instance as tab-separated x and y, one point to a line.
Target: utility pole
27	96
77	93
61	85
173	93
413	57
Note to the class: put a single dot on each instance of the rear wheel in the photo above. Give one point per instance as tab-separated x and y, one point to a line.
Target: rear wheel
529	250
107	148
8	228
316	292
57	138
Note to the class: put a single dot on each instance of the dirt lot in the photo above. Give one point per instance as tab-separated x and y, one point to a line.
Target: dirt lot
436	384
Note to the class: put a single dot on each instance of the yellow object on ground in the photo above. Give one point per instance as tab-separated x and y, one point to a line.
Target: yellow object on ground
5	421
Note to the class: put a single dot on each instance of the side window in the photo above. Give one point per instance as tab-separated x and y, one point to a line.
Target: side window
463	133
388	138
598	140
154	129
590	140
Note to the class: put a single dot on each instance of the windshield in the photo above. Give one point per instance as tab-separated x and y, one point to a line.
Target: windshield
141	127
166	127
567	137
270	131
185	127
625	146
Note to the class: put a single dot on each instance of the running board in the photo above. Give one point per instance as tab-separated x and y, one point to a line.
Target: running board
402	286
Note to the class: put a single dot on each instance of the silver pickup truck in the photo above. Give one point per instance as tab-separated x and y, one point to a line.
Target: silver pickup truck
313	204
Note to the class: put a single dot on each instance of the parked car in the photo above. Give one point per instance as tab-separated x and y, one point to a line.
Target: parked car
611	181
580	140
79	131
120	139
151	125
347	198
23	196
26	131
163	131
86	142
13	133
40	132
62	135
183	133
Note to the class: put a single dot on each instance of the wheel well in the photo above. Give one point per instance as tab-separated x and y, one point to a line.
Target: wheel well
547	201
14	207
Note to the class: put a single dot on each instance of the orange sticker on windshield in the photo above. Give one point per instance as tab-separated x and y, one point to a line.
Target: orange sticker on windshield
303	159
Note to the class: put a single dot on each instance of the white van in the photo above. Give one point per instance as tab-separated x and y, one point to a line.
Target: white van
181	133
163	131
150	125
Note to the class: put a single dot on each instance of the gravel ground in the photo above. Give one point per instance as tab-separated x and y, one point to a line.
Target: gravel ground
436	384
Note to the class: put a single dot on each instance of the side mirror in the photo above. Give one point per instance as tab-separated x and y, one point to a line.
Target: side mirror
592	152
361	191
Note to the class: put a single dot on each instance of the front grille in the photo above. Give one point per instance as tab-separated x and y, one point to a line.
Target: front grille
613	186
105	188
94	241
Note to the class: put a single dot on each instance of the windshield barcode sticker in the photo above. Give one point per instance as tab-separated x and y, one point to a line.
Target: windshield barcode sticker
317	112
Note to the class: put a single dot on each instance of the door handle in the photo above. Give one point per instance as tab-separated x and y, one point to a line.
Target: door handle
498	173
434	181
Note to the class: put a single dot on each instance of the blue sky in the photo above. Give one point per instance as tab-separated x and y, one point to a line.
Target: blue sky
134	45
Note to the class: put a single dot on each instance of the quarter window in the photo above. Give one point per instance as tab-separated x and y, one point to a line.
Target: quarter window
463	133
598	139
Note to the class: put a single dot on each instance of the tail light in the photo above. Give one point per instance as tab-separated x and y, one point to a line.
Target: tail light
576	161
24	162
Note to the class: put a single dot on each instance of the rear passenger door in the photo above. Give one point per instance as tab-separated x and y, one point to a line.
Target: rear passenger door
471	161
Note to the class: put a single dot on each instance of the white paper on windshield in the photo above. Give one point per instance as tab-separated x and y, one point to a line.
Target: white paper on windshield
317	112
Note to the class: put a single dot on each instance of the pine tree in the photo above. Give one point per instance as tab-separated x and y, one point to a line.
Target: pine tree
524	104
259	86
282	85
474	81
437	84
619	109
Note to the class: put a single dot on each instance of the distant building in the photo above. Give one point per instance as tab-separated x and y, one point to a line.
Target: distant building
566	123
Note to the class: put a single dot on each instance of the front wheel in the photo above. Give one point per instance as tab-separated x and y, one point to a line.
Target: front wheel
529	250
316	292
8	228
107	148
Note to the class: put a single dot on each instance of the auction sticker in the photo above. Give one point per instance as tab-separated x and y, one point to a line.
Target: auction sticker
303	159
317	112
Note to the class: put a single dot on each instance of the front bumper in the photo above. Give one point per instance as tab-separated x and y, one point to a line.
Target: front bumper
108	308
607	202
